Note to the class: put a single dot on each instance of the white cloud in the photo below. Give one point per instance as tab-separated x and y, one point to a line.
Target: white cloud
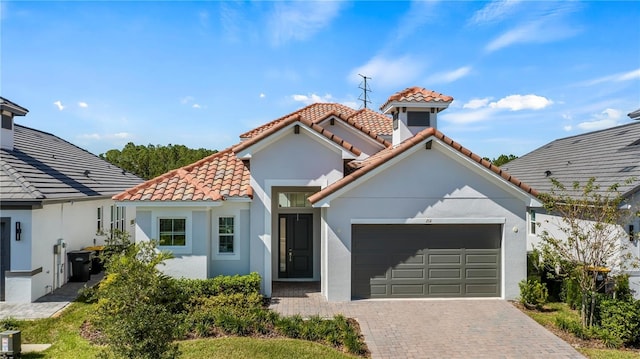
522	102
301	20
108	136
607	118
477	103
567	128
466	117
494	11
311	98
83	104
185	100
451	76
196	105
619	77
540	31
59	105
386	73
262	95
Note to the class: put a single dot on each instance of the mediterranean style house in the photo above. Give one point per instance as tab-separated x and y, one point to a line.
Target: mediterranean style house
54	197
371	204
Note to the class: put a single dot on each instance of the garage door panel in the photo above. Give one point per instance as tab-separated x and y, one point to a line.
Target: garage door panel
407	273
425	261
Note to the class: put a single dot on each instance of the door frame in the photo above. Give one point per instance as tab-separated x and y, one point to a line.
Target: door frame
5	254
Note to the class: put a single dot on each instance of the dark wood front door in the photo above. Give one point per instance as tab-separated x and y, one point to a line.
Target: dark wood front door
5	255
295	245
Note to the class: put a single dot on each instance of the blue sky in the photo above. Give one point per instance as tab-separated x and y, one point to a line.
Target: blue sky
101	74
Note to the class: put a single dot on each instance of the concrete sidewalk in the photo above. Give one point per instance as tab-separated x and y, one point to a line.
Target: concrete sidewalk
48	305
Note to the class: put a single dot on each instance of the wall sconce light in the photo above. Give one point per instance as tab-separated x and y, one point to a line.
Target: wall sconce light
18	231
404	109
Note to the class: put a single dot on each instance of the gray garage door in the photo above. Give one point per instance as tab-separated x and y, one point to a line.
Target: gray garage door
436	260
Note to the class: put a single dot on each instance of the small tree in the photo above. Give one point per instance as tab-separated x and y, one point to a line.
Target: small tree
132	310
591	240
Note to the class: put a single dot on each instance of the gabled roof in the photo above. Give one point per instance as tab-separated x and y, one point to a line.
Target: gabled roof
611	156
416	95
288	121
214	178
42	166
12	107
387	154
376	123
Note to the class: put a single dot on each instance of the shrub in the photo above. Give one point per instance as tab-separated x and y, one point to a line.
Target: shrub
131	310
621	288
533	293
572	326
571	293
9	324
620	321
236	284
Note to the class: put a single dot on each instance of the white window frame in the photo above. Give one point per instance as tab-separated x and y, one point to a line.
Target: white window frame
100	220
235	255
172	219
168	214
532	222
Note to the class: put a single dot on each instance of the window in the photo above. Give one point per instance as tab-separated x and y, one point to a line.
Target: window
420	119
532	221
226	233
6	122
100	224
118	218
294	199
172	232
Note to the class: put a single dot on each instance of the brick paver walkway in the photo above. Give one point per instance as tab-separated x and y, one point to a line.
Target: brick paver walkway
431	328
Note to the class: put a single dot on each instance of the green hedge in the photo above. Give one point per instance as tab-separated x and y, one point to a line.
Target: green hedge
236	284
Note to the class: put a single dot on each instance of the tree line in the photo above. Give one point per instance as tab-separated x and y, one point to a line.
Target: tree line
153	160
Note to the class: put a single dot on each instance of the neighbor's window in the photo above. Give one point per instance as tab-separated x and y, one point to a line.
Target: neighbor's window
294	199
6	122
100	223
532	221
226	234
173	232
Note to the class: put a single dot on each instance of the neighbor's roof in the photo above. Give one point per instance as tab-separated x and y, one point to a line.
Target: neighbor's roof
387	154
416	95
611	156
635	115
377	123
12	107
213	178
43	166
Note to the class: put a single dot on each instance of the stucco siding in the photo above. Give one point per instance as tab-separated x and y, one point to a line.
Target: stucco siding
437	189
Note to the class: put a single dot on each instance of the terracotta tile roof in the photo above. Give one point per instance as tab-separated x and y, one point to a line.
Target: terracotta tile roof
387	154
286	122
359	120
375	122
417	94
213	178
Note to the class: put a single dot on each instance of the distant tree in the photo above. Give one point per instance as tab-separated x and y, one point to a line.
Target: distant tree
502	159
151	161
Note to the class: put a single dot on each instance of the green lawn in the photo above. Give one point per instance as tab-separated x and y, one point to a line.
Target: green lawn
547	319
64	333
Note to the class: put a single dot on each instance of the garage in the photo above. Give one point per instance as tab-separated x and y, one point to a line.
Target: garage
425	260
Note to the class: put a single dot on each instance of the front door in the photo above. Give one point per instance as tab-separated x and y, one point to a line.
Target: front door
295	234
5	242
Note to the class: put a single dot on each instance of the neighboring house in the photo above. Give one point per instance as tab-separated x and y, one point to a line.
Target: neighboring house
635	115
370	204
54	198
611	156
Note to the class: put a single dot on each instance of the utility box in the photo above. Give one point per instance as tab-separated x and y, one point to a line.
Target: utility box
10	344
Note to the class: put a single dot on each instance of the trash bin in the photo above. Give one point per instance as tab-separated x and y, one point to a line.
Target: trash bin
96	258
80	265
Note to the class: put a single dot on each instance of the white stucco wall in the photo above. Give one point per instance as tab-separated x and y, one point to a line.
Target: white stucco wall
361	141
293	160
427	184
72	222
199	258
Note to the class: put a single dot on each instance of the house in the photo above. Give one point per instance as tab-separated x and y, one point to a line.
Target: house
611	156
54	198
372	205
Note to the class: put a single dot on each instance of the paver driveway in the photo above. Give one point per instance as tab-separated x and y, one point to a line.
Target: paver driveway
432	328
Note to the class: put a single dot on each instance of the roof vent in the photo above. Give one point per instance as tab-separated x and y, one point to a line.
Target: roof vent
86	173
628	169
547	173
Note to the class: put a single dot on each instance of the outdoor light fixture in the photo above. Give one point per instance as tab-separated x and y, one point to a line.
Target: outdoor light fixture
18	231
